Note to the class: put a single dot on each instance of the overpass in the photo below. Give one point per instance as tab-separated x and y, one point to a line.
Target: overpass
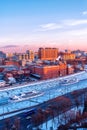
51	89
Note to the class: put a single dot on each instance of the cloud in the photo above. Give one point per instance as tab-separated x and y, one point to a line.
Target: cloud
75	22
79	33
50	26
64	24
84	12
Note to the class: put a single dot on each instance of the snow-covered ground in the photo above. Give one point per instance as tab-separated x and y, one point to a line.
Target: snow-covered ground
51	89
61	119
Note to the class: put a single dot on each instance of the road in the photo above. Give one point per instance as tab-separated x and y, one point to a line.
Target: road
50	88
24	121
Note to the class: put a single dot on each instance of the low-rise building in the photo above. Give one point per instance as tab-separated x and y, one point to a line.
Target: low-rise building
11	80
49	71
70	69
2	83
67	56
12	62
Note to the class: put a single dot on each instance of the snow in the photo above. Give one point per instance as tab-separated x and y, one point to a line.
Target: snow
60	119
51	89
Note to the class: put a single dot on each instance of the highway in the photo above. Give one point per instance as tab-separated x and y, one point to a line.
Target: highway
26	120
49	88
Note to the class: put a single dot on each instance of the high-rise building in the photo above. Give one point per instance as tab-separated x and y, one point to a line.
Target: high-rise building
48	53
29	55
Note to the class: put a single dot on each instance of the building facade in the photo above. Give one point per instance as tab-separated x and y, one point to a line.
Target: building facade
12	62
49	71
29	55
68	56
48	53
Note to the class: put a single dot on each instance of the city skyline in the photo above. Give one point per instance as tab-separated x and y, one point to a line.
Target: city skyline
55	23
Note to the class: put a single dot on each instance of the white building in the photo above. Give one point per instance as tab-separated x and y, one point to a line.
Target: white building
11	80
2	83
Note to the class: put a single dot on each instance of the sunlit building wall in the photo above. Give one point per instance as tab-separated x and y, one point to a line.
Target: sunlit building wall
48	53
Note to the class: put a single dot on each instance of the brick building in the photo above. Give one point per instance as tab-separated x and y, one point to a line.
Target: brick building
12	62
48	53
49	71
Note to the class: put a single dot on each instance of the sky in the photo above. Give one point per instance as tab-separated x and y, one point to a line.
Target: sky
44	23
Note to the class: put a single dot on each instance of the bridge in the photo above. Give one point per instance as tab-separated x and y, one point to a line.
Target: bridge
50	88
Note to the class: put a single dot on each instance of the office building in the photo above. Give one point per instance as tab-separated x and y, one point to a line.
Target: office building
48	53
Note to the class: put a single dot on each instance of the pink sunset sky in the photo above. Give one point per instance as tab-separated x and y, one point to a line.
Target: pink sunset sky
48	23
